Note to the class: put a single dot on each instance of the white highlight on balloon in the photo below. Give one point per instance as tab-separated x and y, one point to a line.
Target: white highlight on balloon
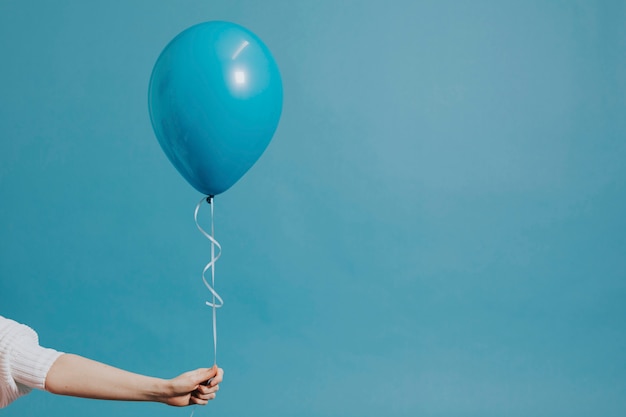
240	77
241	48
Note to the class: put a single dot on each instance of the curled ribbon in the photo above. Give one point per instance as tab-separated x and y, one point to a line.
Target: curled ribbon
211	265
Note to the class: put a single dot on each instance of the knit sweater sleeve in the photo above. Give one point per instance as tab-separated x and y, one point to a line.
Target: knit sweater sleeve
23	363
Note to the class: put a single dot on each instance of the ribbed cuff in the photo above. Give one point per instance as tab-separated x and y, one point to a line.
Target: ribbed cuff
31	363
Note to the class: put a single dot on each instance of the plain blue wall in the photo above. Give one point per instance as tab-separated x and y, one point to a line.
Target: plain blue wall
437	229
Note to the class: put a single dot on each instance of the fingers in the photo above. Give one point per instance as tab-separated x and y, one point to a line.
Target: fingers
198	401
218	377
203	397
203	394
207	389
204	384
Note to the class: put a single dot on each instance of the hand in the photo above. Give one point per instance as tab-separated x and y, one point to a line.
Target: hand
189	388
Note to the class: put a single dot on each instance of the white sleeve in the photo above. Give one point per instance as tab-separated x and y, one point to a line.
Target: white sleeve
23	363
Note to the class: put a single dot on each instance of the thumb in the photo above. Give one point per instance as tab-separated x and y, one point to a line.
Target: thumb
203	375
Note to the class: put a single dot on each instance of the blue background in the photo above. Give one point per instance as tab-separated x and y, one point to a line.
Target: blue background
437	229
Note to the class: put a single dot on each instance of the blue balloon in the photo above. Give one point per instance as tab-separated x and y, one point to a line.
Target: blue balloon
215	100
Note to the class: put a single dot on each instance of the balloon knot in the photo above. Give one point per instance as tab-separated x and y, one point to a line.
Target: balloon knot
209	199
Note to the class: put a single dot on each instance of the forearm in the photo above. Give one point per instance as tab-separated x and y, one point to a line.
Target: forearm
81	377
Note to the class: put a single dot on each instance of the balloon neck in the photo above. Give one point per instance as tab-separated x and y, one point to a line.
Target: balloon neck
209	199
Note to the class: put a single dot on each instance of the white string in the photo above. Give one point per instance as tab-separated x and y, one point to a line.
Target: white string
211	265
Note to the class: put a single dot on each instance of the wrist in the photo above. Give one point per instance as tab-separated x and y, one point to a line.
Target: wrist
159	390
